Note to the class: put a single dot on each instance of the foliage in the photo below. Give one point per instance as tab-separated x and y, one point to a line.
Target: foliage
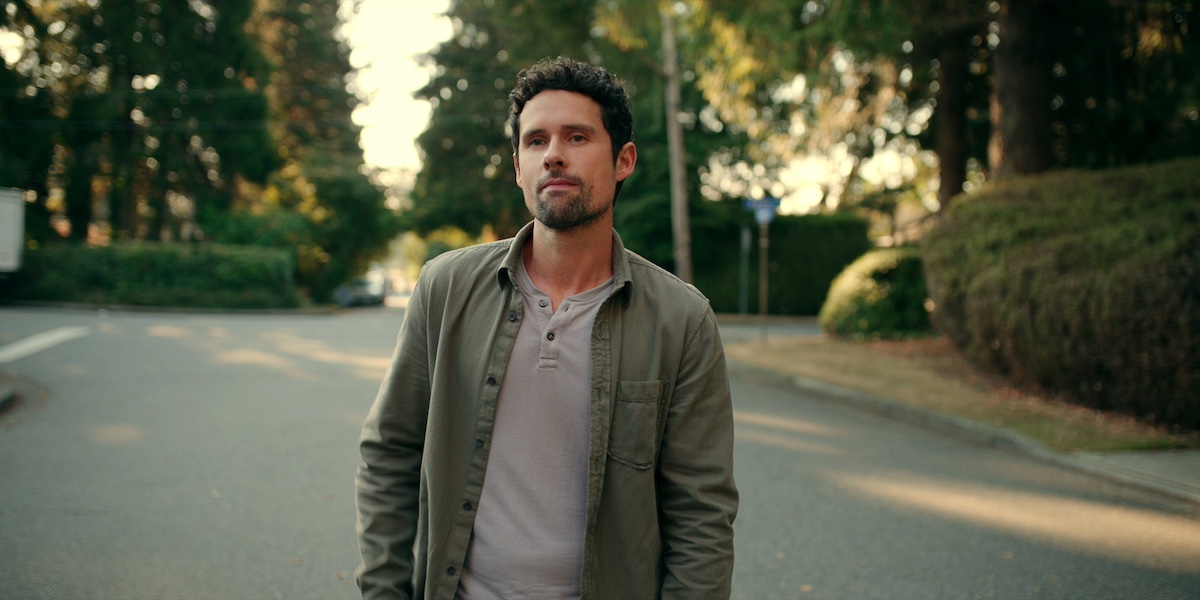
141	112
214	122
322	177
1126	83
846	80
805	254
1083	283
835	81
467	180
879	296
158	274
355	231
444	240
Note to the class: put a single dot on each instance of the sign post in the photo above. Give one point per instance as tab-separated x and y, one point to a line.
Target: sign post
764	213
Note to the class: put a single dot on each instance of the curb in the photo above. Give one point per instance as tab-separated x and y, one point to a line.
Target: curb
980	433
8	391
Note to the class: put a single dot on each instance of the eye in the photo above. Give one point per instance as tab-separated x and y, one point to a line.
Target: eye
579	137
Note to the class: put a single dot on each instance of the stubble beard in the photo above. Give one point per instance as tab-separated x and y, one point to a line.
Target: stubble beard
563	211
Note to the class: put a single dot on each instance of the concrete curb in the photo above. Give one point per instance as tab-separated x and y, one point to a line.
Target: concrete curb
976	432
8	390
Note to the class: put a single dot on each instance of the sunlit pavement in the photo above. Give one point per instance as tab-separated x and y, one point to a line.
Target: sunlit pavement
217	452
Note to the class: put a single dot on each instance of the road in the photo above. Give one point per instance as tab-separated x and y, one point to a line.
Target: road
212	456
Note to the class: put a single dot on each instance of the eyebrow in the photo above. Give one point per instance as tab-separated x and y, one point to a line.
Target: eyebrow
568	127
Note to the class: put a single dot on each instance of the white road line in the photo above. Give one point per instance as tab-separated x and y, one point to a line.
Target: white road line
41	341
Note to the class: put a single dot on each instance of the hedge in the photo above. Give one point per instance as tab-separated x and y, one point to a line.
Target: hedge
805	254
879	296
1084	283
160	274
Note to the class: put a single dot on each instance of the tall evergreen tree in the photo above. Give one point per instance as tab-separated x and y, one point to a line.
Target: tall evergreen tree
1125	84
467	179
153	112
323	177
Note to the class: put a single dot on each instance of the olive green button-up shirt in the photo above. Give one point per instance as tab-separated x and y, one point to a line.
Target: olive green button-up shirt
661	499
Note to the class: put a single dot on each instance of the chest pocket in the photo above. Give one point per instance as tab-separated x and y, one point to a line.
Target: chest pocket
633	437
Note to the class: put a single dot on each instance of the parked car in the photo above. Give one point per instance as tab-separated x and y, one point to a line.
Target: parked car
367	290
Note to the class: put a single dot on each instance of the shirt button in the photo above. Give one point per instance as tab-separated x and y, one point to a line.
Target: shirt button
550	336
450	571
542	303
479	443
512	316
491	381
466	506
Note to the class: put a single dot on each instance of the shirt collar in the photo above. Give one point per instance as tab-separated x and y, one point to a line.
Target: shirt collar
507	273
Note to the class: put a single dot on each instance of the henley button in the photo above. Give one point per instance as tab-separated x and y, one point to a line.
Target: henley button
479	443
512	316
550	336
491	381
450	571
542	303
466	506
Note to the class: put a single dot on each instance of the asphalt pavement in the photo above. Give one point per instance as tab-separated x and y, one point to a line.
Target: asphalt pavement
1175	473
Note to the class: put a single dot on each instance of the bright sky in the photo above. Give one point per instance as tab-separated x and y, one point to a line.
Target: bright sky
387	37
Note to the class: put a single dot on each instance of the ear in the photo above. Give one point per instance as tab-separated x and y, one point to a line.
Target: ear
626	159
517	168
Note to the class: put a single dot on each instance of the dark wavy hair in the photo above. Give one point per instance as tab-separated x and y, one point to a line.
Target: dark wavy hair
570	75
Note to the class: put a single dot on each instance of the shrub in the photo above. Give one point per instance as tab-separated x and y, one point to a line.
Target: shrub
153	274
1085	283
805	254
879	296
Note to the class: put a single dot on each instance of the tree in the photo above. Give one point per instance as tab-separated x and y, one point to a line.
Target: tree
467	179
1112	82
347	224
150	113
226	122
1125	84
848	78
1020	109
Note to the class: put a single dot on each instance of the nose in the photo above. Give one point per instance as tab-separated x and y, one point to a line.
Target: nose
554	157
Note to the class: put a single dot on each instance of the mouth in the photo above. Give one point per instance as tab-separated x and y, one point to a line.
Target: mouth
557	183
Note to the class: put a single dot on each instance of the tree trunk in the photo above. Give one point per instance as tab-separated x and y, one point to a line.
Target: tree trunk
1020	103
950	118
80	171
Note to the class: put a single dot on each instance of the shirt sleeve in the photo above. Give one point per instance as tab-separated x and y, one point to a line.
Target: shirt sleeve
391	446
697	497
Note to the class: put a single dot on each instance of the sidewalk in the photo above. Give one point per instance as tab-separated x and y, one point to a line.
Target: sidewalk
1175	473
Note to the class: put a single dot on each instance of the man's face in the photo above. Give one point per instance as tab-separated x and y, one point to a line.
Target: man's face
564	160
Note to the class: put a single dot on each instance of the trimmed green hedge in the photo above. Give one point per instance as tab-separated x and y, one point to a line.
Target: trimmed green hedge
159	274
1085	283
879	296
804	255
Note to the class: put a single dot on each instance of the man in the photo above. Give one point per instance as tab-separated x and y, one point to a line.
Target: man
556	419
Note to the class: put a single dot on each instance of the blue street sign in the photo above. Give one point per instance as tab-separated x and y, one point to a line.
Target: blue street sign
764	209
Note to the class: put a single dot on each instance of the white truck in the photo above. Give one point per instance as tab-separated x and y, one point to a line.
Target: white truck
12	231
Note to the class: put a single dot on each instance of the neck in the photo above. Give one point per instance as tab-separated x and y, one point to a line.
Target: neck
563	264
